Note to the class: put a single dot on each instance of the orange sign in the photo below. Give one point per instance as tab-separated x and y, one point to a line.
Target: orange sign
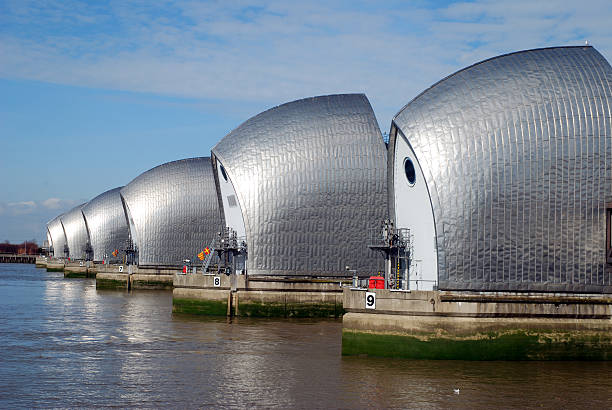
201	256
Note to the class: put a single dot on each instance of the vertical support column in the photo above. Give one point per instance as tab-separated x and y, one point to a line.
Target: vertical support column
229	303
387	268
236	312
397	272
406	284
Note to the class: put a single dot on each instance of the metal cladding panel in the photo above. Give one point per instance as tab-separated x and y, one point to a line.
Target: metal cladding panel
175	211
107	224
310	177
517	154
76	232
58	237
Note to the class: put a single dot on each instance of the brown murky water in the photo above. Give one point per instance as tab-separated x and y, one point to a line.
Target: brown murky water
65	344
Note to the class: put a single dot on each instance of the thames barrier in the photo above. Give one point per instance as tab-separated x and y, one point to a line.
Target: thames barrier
481	229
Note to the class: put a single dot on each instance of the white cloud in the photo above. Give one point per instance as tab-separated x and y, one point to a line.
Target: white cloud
59	204
22	204
20	208
29	207
52	203
27	219
278	51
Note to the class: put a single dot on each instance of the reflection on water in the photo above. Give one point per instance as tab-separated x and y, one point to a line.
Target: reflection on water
66	344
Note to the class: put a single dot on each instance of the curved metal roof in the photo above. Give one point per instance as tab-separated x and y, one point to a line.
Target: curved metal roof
76	232
517	155
310	177
107	224
174	211
58	236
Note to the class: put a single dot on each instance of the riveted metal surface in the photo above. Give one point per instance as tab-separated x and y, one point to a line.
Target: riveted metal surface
174	210
58	236
310	177
76	232
517	154
107	224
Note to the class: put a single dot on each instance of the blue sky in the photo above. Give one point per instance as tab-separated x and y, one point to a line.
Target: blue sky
94	93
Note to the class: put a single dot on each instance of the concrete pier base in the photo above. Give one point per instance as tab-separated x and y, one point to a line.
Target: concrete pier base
256	297
107	280
41	261
131	278
55	266
79	270
444	325
152	282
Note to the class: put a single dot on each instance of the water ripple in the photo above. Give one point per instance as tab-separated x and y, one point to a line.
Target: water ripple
65	344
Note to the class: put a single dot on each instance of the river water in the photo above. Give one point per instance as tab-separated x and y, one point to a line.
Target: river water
66	344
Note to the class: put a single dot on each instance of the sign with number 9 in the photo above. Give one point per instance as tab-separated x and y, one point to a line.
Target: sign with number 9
370	300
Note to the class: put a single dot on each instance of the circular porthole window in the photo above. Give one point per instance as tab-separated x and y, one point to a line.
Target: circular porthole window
223	172
410	171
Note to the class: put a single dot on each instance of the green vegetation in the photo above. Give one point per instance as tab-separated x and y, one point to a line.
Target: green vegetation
199	307
151	284
295	310
516	345
257	309
110	284
69	274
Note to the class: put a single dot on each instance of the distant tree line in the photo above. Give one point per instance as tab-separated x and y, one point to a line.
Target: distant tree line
24	248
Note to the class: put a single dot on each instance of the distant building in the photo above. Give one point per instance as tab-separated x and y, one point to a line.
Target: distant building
304	183
172	211
107	226
503	173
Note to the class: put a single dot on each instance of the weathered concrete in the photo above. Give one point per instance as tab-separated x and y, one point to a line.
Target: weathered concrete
260	296
153	282
133	277
41	261
107	280
474	326
151	270
55	266
200	301
79	269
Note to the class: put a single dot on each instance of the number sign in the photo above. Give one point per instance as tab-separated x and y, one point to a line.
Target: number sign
120	268
217	281
370	300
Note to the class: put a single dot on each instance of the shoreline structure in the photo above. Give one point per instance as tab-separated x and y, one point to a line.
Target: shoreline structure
490	204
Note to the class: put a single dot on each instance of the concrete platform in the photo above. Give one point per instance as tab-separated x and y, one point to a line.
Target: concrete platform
153	282
256	296
55	265
107	280
81	269
133	277
475	326
41	261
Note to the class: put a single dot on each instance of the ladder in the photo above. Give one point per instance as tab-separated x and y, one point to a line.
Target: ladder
209	257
